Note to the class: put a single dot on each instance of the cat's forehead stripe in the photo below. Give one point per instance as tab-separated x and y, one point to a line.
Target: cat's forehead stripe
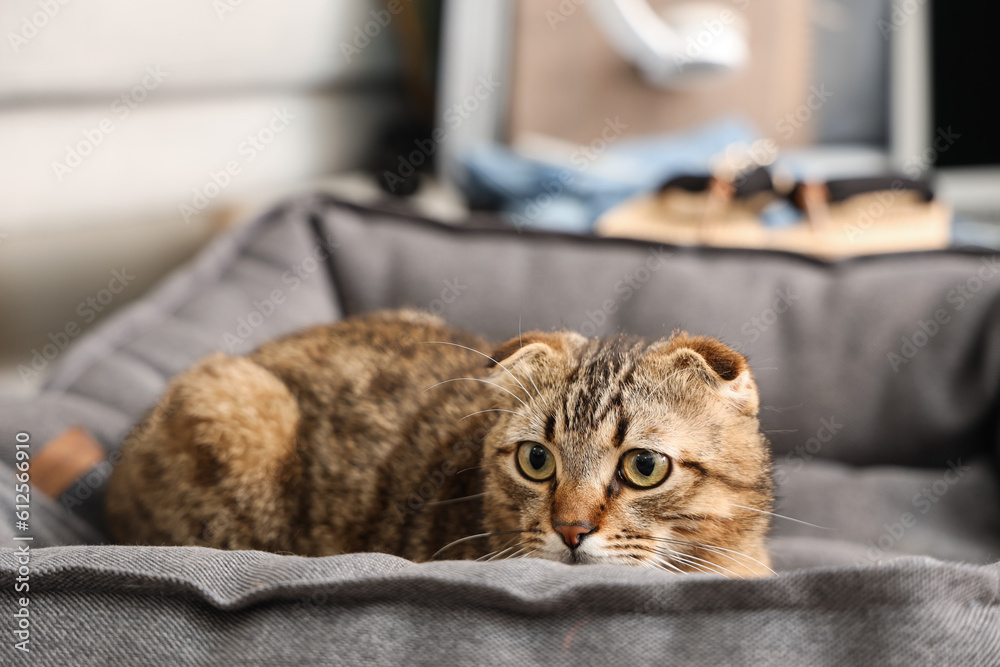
550	427
620	432
595	385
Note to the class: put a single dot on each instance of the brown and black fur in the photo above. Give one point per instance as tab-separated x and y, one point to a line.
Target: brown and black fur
394	433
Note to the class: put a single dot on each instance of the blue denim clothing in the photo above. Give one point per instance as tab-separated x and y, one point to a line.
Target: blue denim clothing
571	197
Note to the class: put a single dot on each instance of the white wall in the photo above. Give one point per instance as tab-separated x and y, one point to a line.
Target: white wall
115	114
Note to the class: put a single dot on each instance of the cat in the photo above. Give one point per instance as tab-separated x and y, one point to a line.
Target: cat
392	432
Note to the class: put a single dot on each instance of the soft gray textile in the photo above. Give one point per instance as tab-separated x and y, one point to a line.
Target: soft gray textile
164	606
886	463
824	359
111	378
50	524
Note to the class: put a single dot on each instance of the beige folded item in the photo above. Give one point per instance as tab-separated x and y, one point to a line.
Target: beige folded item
891	220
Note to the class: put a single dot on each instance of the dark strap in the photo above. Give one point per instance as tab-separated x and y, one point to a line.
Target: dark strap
754	182
759	180
843	189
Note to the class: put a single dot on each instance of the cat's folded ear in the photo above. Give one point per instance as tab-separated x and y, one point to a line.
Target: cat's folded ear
520	358
725	370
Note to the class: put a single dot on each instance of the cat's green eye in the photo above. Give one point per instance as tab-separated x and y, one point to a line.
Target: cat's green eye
535	461
643	468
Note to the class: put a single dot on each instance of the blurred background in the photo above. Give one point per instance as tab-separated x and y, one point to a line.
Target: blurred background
132	133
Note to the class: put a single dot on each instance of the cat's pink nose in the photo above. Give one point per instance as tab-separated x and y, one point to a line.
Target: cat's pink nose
573	533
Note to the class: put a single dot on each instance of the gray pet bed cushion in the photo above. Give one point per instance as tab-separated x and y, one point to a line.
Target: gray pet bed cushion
880	380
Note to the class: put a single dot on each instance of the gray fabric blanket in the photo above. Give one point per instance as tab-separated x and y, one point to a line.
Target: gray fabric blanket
880	379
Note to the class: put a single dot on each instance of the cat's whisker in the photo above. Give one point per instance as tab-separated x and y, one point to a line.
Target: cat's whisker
526	369
650	563
506	547
660	567
517	554
661	564
709	563
476	537
762	361
454	500
670	556
655	554
692	561
667	566
696	566
494	384
512	555
722	551
774	408
706	547
496	410
532	419
500	552
443	342
695	562
665	563
782	516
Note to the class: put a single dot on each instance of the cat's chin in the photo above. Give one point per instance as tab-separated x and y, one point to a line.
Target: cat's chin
572	558
581	556
585	558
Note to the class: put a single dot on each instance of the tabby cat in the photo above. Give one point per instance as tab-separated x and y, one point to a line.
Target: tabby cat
393	433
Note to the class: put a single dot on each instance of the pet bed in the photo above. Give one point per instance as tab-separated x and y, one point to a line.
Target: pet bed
880	386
